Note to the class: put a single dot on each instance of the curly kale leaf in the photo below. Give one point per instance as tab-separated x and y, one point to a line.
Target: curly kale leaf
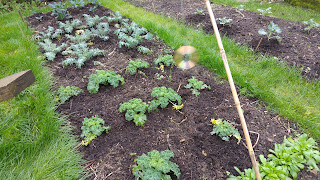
136	110
133	66
166	60
165	95
65	93
103	77
195	85
224	129
92	127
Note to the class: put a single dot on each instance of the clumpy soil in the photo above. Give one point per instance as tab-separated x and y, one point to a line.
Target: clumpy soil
186	133
298	48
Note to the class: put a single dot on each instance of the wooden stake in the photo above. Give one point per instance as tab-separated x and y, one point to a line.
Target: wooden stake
234	92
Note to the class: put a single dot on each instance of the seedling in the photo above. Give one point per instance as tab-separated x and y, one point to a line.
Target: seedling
133	66
91	21
76	3
96	3
240	7
272	29
225	130
265	12
59	11
69	26
225	21
51	48
199	12
101	31
195	85
92	127
80	37
164	97
115	17
166	60
310	24
103	77
136	110
65	93
155	165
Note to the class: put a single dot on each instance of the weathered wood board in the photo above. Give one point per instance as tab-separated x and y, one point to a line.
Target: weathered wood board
14	84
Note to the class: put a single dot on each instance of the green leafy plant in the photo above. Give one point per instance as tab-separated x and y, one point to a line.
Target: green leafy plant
103	77
224	21
82	37
76	3
144	50
310	24
265	12
273	28
199	12
115	17
164	97
81	54
95	3
166	60
156	165
240	7
133	66
69	26
225	130
59	11
50	33
136	110
101	31
286	160
65	93
92	127
51	49
92	21
195	85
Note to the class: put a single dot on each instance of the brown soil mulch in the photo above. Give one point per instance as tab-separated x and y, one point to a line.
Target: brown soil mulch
297	48
187	134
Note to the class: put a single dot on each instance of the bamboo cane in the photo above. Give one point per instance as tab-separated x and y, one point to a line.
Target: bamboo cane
234	92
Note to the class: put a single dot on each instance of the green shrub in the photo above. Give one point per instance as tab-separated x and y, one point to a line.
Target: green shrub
312	4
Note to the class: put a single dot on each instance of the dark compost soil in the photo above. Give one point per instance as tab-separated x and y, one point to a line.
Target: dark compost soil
298	47
187	134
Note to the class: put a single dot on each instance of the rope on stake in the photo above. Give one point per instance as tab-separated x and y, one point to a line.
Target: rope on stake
234	92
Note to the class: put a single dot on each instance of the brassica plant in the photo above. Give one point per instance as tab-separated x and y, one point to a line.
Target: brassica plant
101	31
92	127
164	96
59	11
310	24
166	60
91	21
195	85
199	12
224	129
264	12
272	29
65	93
76	3
95	3
69	26
135	110
103	77
133	66
224	21
51	49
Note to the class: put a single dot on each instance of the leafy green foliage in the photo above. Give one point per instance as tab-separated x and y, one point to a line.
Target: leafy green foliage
82	52
76	3
265	12
136	110
115	17
91	21
59	11
166	60
199	12
224	129
224	21
66	92
144	50
50	33
133	66
101	31
286	160
156	165
195	85
164	96
310	24
273	28
103	77
96	3
240	7
69	26
51	48
80	37
92	127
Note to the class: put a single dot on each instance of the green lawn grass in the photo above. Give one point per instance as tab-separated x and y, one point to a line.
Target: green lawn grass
279	10
32	143
278	85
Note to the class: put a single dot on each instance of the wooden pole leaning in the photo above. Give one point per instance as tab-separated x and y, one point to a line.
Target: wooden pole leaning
234	92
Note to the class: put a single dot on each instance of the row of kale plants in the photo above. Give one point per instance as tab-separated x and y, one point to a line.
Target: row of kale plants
283	163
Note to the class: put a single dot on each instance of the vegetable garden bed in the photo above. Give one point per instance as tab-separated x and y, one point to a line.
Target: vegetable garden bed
185	132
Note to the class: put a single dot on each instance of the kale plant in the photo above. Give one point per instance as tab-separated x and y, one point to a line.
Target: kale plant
131	35
103	77
199	12
92	21
65	93
224	129
82	52
76	3
133	66
144	50
136	110
69	26
80	37
195	85
224	21
59	11
166	60
264	12
115	17
164	96
240	7
310	24
101	31
155	165
51	49
273	28
92	127
95	3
